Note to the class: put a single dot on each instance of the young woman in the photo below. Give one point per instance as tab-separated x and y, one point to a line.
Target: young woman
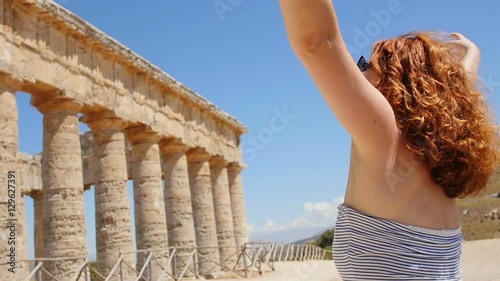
422	136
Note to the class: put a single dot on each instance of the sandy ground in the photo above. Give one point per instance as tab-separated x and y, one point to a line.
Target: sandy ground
480	261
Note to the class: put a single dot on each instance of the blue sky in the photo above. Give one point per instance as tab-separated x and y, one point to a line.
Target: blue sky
235	53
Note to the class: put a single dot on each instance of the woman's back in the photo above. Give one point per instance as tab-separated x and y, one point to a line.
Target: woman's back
399	187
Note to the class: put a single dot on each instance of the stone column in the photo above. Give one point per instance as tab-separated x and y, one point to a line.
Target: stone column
203	212
238	203
149	206
62	180
112	204
13	246
38	204
223	212
178	206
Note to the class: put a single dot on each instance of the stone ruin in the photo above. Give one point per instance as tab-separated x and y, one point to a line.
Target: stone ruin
182	153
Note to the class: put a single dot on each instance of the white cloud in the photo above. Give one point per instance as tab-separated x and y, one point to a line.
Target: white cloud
316	216
325	210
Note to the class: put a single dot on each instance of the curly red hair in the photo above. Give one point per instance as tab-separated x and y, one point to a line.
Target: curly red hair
444	118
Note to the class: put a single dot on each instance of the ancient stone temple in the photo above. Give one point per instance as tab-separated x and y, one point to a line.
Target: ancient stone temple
182	153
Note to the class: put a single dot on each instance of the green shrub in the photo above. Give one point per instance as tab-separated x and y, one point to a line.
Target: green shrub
325	240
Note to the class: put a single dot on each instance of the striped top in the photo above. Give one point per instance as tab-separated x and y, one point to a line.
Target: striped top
371	248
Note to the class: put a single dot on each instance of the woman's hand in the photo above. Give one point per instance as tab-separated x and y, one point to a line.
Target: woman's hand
463	41
473	54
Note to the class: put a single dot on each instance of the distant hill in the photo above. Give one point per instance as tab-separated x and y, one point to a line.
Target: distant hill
309	240
289	236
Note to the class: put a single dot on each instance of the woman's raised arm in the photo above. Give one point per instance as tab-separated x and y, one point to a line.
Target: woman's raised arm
309	23
315	37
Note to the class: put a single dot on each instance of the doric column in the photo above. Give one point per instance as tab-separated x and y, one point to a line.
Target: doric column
38	206
13	247
112	204
203	211
223	211
178	206
149	206
62	180
238	203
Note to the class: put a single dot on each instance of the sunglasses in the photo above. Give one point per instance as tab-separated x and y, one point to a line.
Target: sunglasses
363	65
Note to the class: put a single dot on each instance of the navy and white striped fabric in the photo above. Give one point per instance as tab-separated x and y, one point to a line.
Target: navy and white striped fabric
370	248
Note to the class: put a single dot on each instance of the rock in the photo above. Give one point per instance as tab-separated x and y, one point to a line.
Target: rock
495	195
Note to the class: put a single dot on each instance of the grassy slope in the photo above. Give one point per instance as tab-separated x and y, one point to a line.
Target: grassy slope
474	225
